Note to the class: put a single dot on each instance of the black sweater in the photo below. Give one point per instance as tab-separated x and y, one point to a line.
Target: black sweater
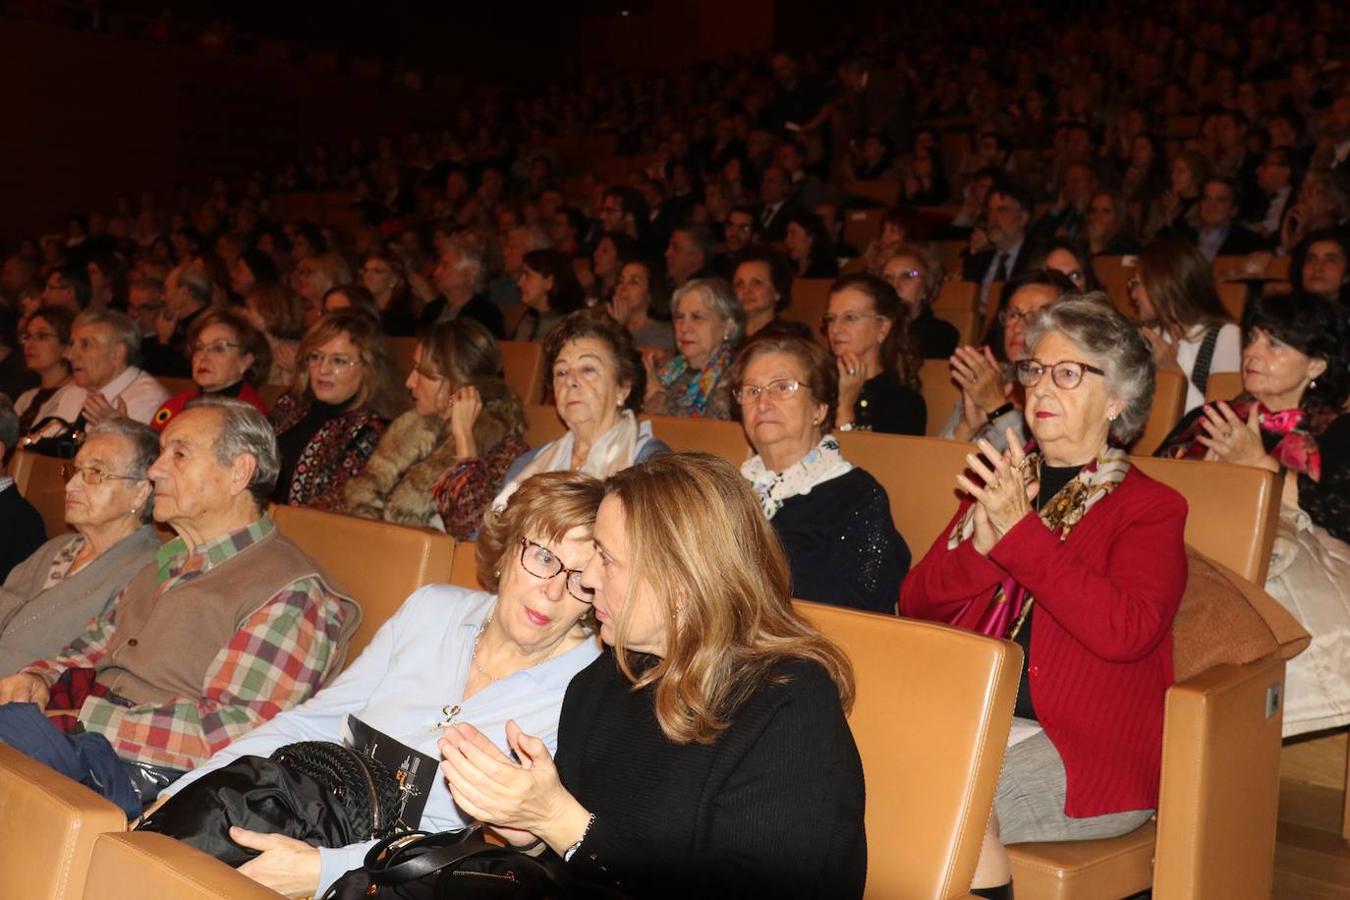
772	808
887	406
842	545
21	530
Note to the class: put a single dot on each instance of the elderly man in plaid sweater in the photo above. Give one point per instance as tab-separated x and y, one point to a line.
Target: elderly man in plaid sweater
230	625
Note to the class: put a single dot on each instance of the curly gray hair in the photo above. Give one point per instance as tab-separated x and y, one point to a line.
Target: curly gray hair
1093	324
720	298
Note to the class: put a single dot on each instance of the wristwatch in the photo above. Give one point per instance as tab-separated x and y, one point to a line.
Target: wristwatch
1001	411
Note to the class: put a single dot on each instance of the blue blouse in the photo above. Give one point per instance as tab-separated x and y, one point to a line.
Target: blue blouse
417	664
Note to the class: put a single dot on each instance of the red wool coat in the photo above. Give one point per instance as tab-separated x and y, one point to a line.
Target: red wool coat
1101	648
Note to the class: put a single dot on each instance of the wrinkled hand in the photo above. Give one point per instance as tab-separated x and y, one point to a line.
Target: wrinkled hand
1004	498
97	408
1164	351
852	374
652	361
980	377
24	687
496	790
1232	440
286	865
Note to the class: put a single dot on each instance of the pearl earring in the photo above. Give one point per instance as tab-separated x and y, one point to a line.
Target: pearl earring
1312	384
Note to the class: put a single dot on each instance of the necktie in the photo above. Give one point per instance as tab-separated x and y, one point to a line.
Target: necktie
1001	267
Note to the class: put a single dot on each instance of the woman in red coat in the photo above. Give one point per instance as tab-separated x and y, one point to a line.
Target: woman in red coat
229	355
1079	557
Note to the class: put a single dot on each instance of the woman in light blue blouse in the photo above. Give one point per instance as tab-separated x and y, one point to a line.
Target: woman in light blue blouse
450	655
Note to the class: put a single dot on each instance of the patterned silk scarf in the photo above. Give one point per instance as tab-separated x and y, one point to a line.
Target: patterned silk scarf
688	389
1012	602
1298	430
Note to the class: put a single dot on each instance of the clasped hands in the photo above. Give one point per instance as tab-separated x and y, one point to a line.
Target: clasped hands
1005	495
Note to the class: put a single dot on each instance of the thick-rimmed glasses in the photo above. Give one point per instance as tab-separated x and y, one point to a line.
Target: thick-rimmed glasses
1009	315
93	475
544	564
1067	374
774	390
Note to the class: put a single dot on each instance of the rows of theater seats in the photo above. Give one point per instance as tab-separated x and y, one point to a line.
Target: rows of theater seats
931	719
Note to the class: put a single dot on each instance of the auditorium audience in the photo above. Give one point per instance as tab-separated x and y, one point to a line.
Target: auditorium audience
1110	585
762	279
231	625
1319	265
992	400
461	435
867	327
21	527
809	246
597	382
341	401
382	274
1182	317
1110	230
461	277
716	683
1007	213
696	381
489	657
279	313
49	597
229	356
833	519
1290	418
45	340
187	293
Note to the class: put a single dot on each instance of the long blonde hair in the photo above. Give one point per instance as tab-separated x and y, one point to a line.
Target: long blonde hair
700	543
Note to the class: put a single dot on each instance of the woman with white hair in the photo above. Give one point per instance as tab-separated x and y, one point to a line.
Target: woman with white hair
709	323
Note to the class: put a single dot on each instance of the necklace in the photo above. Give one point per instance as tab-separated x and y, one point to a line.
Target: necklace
450	714
473	655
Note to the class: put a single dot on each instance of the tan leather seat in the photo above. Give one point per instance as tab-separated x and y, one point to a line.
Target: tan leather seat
1169	401
402	351
810	300
1233	510
940	393
1233	296
39	479
720	438
919	475
862	226
967	322
1114	277
346	546
542	424
931	720
464	570
523	369
957	294
142	865
48	824
175	385
1223	386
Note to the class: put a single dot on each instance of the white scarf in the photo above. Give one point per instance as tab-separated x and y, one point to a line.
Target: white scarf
613	451
816	467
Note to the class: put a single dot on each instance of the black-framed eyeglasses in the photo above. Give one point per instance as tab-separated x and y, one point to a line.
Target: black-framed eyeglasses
544	564
92	475
1067	373
1010	315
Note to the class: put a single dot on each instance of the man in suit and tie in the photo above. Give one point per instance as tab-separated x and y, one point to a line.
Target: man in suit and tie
775	191
1007	211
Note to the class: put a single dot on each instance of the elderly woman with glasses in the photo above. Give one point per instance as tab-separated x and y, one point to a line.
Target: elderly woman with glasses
343	397
916	274
1064	547
991	398
229	357
47	600
439	463
501	655
833	518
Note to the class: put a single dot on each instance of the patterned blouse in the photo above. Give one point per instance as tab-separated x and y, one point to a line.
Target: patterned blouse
338	450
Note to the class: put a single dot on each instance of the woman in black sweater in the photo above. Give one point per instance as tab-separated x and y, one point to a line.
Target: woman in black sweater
708	755
833	519
867	326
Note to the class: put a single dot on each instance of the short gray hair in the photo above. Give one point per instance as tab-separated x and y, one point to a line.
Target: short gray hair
125	329
197	283
9	425
1094	325
471	259
144	442
720	298
245	430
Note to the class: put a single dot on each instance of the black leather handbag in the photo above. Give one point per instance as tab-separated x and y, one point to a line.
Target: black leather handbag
323	793
423	866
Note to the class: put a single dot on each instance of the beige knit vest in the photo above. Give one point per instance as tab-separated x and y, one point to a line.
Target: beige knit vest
163	645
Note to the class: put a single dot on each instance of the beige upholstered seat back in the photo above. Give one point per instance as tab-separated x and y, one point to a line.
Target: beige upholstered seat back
931	720
48	824
143	865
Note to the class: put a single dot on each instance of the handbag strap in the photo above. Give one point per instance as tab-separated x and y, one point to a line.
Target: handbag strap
1203	357
465	844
